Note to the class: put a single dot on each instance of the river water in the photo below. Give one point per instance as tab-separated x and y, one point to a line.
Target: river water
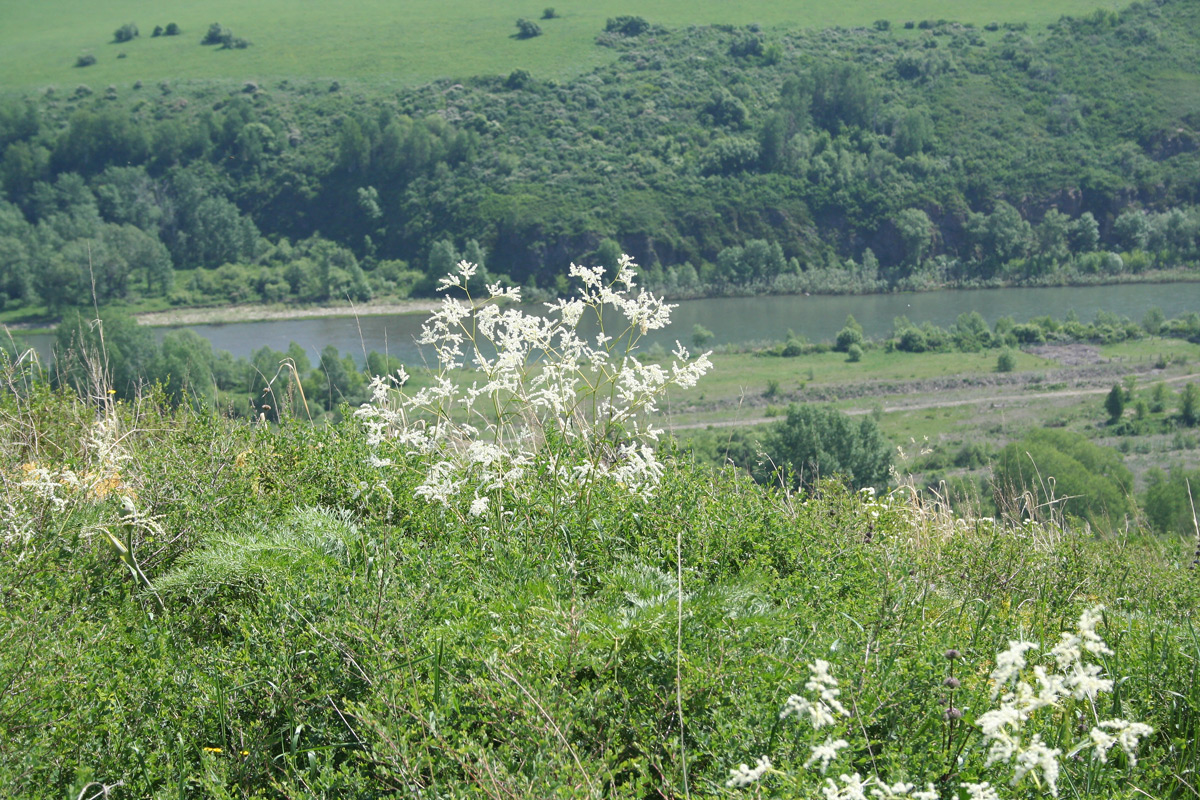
741	319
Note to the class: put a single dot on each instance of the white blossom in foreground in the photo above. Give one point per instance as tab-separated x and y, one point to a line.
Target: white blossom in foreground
1032	693
744	775
538	391
826	752
1112	732
1075	678
821	709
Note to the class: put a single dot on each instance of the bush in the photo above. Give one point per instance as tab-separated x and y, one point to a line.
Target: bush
626	26
527	29
126	33
854	353
217	34
549	13
158	31
1089	481
816	442
85	60
171	30
883	25
1006	362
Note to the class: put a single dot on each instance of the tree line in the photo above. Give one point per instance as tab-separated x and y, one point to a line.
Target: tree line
726	160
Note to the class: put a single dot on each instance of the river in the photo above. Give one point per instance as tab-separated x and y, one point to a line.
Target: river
740	319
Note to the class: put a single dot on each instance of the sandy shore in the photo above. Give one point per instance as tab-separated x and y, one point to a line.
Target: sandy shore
259	313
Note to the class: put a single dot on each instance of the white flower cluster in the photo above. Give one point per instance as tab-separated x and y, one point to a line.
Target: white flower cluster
825	704
1026	689
544	394
1002	727
744	775
856	787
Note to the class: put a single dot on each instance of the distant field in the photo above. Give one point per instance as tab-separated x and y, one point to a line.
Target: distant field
405	43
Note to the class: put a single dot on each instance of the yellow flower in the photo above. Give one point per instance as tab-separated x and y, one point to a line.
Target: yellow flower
212	749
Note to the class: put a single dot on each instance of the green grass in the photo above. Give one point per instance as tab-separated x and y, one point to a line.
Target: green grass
388	43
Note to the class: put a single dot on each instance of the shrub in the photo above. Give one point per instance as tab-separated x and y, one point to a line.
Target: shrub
549	13
217	34
626	26
883	25
747	46
854	353
1006	362
171	30
518	79
85	60
527	29
701	335
158	31
1056	472
817	442
126	33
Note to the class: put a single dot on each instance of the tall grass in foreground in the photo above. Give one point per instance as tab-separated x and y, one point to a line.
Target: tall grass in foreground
328	630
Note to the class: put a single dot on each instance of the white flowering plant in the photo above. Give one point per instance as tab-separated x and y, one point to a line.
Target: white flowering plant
519	397
1065	691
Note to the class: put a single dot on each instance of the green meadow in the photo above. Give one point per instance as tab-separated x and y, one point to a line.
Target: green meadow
405	43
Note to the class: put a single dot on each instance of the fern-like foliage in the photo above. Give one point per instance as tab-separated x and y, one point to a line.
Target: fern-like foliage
236	561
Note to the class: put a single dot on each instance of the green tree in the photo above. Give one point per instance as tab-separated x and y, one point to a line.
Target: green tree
816	441
184	368
1006	361
1189	405
916	231
850	334
94	354
1055	466
1167	503
527	29
1114	403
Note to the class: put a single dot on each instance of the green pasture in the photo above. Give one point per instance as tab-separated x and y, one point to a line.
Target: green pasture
404	43
737	374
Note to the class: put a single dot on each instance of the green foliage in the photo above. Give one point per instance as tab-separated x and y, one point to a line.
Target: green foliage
1114	404
126	33
1169	501
1189	405
626	26
85	60
1006	361
854	353
850	334
326	633
1055	471
816	442
527	29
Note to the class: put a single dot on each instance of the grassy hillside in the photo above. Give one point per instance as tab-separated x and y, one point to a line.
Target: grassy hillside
194	607
401	44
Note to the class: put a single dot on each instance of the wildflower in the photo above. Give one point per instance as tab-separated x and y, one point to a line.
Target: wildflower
745	775
819	712
981	791
824	753
539	375
854	789
479	506
1037	756
1126	734
1009	664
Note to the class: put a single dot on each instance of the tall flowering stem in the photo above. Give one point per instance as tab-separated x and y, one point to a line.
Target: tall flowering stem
544	401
